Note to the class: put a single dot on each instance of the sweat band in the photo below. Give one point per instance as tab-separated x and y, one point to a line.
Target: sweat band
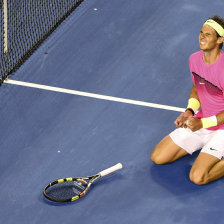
209	122
193	104
218	28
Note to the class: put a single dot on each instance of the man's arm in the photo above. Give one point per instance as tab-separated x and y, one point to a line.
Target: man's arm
181	120
193	95
195	124
220	118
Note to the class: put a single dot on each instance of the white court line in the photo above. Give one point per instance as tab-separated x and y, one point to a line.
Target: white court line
92	95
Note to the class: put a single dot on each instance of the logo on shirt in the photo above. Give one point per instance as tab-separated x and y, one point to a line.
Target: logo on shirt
213	149
210	87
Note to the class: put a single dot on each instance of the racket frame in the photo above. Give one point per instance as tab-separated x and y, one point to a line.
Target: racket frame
70	179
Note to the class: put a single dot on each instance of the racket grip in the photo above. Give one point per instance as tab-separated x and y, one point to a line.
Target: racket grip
111	169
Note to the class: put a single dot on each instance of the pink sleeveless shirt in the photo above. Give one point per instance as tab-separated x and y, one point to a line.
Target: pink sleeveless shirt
209	82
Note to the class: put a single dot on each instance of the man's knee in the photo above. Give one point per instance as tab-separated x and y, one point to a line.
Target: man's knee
167	152
158	158
198	176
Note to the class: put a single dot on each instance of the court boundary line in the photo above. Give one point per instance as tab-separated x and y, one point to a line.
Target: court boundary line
93	95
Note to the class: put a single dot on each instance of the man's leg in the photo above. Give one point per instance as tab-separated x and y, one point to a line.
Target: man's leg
209	165
206	168
167	151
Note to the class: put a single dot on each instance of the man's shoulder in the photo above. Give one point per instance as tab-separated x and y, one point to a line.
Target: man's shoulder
197	54
195	58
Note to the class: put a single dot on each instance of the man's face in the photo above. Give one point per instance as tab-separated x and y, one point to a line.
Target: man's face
208	38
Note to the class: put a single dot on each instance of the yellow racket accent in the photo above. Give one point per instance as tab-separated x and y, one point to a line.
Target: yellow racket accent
75	198
69	178
60	180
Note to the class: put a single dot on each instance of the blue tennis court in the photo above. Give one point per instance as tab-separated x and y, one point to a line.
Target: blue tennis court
131	57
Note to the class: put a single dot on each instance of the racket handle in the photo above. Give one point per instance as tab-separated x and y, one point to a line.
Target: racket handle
110	170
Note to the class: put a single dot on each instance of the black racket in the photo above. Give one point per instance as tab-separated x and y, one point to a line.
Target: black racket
72	188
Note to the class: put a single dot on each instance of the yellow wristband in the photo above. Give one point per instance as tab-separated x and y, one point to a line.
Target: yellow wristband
209	122
193	103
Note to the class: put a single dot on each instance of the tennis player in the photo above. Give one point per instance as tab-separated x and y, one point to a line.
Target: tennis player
201	126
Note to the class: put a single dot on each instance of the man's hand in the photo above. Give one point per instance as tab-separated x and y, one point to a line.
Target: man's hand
194	124
180	122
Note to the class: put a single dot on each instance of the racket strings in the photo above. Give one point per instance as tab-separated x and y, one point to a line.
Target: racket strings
79	186
66	190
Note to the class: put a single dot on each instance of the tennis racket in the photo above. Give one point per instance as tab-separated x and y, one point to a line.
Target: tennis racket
72	188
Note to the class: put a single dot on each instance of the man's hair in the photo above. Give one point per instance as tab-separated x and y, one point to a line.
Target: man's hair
220	21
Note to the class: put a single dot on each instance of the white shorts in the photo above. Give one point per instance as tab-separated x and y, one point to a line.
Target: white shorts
211	142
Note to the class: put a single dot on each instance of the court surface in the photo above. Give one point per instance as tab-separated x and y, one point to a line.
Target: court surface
131	57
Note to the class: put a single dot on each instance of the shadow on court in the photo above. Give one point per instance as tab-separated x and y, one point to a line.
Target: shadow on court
175	177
